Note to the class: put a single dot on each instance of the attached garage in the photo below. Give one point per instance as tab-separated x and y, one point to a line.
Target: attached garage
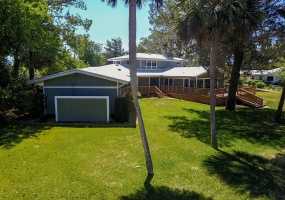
82	108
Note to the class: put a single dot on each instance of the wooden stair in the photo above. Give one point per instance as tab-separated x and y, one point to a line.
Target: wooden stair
160	94
249	98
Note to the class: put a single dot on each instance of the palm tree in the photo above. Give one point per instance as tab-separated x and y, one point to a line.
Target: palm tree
133	4
208	21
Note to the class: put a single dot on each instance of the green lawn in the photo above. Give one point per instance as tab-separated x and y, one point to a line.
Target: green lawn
39	162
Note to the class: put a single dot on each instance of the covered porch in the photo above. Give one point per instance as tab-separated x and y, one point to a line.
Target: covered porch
170	81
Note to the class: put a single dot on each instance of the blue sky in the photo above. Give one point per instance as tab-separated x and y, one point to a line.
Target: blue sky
111	22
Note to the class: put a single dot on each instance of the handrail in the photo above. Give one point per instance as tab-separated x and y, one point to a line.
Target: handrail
191	90
157	89
250	96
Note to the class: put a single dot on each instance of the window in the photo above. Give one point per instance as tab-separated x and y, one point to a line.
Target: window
252	78
270	78
153	64
192	83
260	77
148	64
186	83
166	81
200	83
207	83
143	64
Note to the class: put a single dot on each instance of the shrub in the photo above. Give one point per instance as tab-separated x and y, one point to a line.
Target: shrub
26	98
122	109
260	84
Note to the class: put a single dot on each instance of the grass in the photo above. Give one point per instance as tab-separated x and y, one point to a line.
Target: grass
39	162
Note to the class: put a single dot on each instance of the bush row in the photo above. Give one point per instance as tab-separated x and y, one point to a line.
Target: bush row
122	109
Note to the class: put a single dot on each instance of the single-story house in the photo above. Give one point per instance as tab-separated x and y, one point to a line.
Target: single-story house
268	76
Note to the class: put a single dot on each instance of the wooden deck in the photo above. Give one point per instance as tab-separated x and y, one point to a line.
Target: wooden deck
200	95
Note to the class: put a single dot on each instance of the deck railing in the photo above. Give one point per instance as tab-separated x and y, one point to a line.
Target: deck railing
142	89
249	88
174	89
250	96
190	90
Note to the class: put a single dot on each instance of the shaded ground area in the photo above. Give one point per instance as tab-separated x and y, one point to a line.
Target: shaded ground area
23	118
163	193
13	134
250	173
253	125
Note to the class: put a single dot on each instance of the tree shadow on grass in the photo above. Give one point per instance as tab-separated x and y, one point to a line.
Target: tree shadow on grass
12	134
163	193
250	173
253	125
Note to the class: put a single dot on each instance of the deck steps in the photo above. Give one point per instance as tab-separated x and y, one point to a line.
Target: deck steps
249	98
248	102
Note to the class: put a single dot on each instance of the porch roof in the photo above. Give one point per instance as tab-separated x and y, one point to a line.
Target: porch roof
181	72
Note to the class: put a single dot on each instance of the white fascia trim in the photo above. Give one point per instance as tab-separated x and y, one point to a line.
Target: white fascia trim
73	72
80	87
82	97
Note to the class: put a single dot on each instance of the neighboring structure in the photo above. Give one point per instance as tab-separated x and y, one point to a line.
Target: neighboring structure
88	94
268	76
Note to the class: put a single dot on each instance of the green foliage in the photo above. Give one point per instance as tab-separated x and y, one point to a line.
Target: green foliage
92	53
122	109
260	84
114	48
25	98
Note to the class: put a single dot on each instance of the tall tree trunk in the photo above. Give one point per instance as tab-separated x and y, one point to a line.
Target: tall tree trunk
31	73
213	65
133	73
280	105
16	66
235	73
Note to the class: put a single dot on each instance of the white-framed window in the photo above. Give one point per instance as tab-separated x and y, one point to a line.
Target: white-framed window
143	64
148	64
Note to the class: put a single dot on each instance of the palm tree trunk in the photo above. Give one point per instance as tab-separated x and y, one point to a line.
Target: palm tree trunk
213	65
280	105
133	73
231	100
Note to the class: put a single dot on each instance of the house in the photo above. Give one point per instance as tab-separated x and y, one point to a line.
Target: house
157	70
268	76
88	94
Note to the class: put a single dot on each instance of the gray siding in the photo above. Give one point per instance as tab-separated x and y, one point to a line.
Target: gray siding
165	64
52	92
82	110
79	80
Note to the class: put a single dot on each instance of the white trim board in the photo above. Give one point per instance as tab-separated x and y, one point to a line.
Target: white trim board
81	97
81	87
